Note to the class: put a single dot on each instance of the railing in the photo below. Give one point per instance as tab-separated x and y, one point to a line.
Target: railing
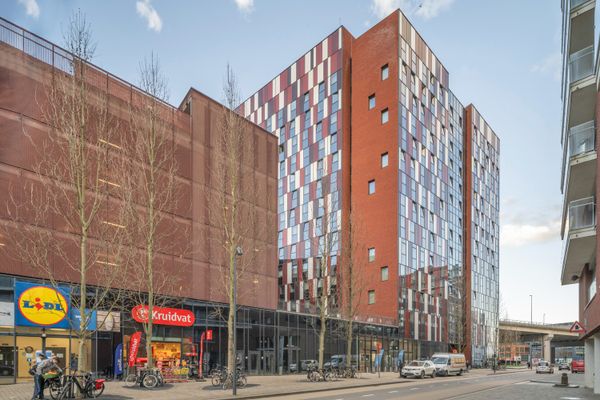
57	57
581	64
582	213
582	139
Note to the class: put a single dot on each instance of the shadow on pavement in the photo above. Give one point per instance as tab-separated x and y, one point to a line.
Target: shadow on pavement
220	389
138	388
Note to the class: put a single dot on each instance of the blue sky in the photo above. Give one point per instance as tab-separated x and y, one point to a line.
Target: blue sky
503	56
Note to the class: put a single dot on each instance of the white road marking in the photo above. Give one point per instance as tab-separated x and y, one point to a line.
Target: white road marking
368	395
570	398
393	391
414	389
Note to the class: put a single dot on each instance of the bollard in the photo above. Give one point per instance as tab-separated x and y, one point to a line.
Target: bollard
564	379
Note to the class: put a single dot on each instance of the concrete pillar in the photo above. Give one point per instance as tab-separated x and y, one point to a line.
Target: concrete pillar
596	364
546	340
589	362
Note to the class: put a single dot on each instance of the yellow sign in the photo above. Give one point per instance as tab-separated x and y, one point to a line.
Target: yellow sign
43	305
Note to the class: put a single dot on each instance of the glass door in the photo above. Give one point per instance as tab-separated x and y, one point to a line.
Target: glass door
7	359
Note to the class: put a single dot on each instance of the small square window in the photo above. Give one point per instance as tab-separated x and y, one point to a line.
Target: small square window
384	116
371	101
384	273
371	297
372	186
384	160
385	72
371	254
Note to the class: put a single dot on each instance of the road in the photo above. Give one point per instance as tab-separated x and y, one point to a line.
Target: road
488	387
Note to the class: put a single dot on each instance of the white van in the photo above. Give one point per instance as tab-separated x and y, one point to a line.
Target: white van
449	363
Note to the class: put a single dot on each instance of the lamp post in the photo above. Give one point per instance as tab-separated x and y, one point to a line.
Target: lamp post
44	341
238	253
531	307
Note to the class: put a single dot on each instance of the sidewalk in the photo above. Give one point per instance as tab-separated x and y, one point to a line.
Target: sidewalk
258	387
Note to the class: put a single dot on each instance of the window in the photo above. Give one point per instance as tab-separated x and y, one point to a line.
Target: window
371	254
306	101
371	297
592	285
335	102
371	101
384	116
384	273
385	72
384	160
372	186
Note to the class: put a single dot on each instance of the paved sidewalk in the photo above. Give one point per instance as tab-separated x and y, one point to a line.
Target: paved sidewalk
258	387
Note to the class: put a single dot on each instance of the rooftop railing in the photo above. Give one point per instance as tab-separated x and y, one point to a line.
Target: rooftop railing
57	57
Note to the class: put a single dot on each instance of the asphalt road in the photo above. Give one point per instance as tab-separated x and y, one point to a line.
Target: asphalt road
488	387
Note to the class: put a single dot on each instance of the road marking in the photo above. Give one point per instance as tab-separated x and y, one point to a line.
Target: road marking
393	391
368	395
570	398
414	389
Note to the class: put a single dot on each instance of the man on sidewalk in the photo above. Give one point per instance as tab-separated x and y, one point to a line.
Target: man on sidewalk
43	367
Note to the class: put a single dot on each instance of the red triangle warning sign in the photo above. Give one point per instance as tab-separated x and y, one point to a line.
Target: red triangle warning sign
577	328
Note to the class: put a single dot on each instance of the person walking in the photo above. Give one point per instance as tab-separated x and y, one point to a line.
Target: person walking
37	378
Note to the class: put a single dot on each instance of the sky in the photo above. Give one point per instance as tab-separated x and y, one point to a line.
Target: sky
503	56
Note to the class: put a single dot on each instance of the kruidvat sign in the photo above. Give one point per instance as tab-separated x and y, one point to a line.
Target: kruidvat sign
164	316
38	305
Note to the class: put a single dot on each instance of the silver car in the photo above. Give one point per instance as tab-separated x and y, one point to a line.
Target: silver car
418	369
544	367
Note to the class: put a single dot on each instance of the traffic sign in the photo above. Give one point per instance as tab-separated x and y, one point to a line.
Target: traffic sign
577	328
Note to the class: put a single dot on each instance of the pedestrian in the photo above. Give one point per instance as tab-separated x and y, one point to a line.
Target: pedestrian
37	386
43	367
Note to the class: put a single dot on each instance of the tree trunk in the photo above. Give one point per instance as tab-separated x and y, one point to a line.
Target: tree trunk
323	330
81	358
349	343
232	309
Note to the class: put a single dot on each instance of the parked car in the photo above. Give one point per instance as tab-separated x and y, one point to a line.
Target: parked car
577	366
544	367
306	364
449	363
339	361
419	369
563	365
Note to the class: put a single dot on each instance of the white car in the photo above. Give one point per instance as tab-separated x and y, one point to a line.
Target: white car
544	367
419	369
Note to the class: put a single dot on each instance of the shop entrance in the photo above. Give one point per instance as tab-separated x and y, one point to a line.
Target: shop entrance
7	359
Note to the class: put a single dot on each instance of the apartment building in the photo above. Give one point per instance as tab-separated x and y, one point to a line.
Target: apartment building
371	136
579	171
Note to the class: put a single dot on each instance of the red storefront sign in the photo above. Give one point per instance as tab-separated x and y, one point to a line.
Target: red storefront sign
164	316
209	334
134	345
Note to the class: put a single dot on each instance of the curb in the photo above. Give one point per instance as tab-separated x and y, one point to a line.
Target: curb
328	389
509	372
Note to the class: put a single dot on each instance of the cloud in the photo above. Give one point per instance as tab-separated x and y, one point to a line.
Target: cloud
550	65
517	235
245	6
425	9
147	11
31	7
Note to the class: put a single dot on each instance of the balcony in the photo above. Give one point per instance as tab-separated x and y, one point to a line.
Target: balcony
581	64
582	139
580	241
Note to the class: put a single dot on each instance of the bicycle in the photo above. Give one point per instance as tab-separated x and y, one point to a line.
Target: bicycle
218	376
241	380
148	378
53	384
90	387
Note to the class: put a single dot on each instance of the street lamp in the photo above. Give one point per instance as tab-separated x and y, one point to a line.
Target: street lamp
531	307
238	253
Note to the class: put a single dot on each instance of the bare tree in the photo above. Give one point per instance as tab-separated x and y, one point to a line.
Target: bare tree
150	187
327	234
75	190
457	309
231	208
352	279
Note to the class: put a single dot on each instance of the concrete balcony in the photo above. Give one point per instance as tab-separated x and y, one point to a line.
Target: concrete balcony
580	241
580	163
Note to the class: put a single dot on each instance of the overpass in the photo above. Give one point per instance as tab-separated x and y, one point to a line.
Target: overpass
549	335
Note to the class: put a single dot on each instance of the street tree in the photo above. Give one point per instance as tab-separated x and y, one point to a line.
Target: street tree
67	221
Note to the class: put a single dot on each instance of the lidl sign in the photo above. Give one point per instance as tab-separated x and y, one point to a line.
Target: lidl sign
39	305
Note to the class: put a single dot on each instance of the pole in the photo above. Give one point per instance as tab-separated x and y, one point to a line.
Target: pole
234	326
531	307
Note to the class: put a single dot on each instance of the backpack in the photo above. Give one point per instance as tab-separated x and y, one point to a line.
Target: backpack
32	369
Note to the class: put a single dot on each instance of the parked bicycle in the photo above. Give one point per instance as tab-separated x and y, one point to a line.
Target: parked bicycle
318	375
85	384
217	376
228	380
350	372
148	378
53	384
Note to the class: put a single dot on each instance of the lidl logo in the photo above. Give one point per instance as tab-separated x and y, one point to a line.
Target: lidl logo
42	305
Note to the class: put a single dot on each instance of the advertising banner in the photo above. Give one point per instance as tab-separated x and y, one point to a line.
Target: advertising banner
7	313
39	305
134	345
119	360
76	319
164	316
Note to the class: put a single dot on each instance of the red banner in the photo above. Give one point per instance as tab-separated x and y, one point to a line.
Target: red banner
164	316
134	345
